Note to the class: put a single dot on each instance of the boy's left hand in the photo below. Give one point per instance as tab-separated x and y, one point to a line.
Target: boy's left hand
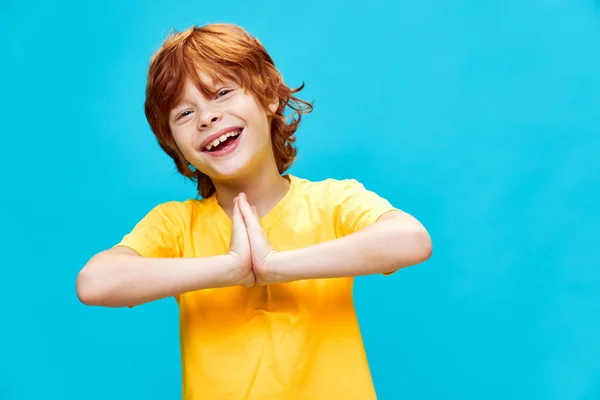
260	247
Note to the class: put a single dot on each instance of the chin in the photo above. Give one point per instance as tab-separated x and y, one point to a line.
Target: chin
227	170
236	165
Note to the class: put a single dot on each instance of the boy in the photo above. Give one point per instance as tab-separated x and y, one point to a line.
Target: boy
262	266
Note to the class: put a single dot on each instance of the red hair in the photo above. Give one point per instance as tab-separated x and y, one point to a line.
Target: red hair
223	52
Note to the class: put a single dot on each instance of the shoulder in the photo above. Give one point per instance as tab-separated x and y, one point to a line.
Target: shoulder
171	209
175	212
344	195
331	188
326	185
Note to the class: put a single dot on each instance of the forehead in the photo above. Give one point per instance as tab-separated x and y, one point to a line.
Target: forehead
207	83
207	80
201	84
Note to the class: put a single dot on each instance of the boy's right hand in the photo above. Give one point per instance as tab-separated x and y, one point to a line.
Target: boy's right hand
239	248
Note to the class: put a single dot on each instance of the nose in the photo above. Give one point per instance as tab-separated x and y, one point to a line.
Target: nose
208	118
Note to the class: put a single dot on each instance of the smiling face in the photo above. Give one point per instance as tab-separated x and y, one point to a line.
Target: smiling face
185	109
224	134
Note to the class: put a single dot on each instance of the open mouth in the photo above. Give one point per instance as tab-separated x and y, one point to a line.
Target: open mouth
224	142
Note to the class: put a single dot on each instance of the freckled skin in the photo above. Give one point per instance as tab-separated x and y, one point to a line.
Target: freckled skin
198	117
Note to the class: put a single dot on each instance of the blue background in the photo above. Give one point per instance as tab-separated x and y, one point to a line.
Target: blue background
480	118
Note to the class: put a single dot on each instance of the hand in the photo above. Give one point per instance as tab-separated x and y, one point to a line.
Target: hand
239	247
260	248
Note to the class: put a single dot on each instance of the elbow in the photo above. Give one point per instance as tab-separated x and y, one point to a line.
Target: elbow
89	288
424	246
410	240
87	293
411	246
420	249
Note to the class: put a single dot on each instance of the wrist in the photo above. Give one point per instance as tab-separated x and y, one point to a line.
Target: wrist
236	273
275	267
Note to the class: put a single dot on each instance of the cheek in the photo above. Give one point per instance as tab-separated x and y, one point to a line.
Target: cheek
178	142
182	137
184	144
261	122
261	136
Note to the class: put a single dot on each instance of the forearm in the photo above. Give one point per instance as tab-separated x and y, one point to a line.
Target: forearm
383	247
120	280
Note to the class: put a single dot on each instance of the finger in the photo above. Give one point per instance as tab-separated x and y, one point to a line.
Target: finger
246	211
251	219
237	219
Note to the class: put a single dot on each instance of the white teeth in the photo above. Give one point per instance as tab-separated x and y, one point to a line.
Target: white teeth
222	138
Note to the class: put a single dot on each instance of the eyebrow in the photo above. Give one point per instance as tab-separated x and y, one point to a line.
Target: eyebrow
183	102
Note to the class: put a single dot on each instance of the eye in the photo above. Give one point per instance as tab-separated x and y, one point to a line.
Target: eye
223	92
183	114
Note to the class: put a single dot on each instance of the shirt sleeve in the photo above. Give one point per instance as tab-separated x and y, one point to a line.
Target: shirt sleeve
355	207
159	234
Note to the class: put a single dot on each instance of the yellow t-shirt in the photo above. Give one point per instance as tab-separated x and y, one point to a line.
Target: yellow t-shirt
298	340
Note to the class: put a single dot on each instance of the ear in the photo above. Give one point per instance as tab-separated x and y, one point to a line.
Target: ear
273	106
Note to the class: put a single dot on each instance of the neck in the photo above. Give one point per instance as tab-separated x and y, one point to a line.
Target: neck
264	190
